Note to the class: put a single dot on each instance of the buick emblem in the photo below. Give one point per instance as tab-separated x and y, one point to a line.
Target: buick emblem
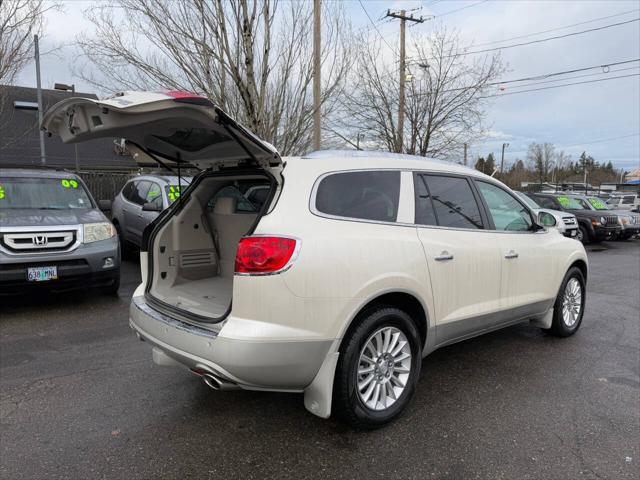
40	240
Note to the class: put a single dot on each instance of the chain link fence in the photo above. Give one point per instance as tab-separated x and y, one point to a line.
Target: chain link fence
105	185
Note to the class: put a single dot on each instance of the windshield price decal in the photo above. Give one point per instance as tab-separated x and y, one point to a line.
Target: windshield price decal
564	201
174	193
1	192
69	183
597	204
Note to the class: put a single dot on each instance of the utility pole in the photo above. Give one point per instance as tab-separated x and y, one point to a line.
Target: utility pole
316	74
403	74
504	145
43	156
465	154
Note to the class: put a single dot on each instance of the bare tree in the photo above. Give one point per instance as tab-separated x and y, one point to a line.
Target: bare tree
251	58
541	157
20	20
445	102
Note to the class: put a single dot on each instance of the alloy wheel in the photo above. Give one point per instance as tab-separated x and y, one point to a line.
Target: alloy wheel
572	302
383	368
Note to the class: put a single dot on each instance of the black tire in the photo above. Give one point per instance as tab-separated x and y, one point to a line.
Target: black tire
559	327
583	235
346	399
115	285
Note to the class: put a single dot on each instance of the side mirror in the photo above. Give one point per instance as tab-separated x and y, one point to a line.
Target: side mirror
104	205
546	219
151	207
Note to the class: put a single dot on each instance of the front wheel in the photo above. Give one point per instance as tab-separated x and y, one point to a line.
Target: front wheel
378	368
582	235
569	306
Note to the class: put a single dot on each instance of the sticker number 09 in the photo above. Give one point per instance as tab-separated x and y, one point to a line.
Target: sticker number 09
69	183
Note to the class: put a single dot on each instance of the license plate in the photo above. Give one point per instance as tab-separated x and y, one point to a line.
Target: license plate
42	274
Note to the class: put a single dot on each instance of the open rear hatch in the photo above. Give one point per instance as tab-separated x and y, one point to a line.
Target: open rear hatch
173	127
192	247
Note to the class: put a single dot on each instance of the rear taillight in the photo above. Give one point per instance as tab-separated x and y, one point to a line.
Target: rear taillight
264	255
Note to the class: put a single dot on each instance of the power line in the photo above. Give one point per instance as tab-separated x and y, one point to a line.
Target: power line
600	141
556	29
545	39
577	76
563	85
579	144
376	28
461	8
604	67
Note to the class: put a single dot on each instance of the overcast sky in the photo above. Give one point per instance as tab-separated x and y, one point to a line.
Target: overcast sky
601	117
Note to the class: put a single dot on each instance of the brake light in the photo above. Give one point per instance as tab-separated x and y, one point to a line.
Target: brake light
188	97
264	255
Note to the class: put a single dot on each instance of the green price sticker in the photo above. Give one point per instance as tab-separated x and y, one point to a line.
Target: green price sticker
1	192
597	204
174	193
564	201
69	183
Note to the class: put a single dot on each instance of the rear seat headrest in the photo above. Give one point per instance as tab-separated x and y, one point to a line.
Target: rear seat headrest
225	206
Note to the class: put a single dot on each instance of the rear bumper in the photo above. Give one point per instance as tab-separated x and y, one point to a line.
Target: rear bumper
259	363
81	267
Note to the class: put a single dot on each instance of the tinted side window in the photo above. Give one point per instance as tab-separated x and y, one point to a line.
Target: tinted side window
154	195
371	195
546	202
507	213
127	191
425	214
139	193
453	202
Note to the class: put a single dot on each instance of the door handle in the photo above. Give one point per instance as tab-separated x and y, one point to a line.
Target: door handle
444	256
511	254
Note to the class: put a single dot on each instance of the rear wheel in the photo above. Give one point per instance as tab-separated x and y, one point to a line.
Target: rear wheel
569	306
378	368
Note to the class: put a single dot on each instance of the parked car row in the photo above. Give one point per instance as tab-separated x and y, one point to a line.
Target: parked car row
597	221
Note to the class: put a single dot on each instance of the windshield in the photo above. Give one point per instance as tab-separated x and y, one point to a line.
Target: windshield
43	194
570	203
597	203
528	201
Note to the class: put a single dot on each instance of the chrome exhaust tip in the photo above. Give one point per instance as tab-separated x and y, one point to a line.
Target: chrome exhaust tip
216	383
211	381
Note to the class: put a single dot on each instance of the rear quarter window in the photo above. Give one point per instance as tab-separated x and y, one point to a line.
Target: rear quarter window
366	195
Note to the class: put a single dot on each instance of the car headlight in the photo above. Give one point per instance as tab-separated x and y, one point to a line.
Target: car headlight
603	220
94	232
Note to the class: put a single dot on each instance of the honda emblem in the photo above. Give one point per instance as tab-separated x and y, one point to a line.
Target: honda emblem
40	240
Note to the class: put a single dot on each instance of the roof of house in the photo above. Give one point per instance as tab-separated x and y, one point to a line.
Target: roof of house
20	136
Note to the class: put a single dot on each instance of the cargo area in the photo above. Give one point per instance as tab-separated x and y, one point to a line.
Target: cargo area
193	253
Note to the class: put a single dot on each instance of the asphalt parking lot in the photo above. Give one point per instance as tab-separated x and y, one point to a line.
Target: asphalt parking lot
80	398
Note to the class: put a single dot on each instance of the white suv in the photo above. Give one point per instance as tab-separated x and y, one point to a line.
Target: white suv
351	268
